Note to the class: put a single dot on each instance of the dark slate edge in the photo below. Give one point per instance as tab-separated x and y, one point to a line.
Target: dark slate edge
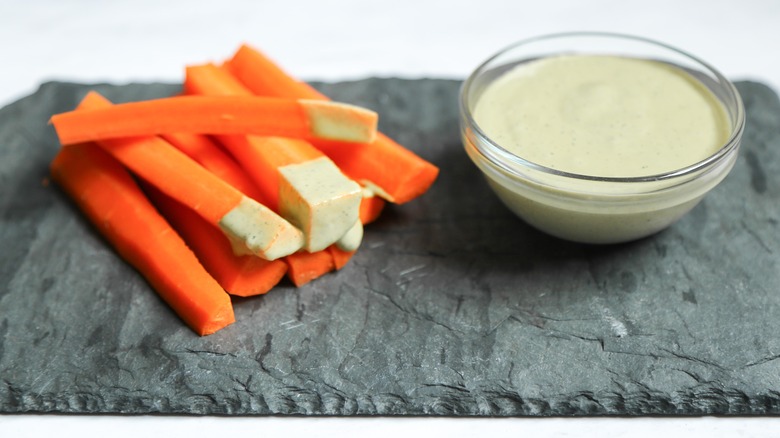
706	400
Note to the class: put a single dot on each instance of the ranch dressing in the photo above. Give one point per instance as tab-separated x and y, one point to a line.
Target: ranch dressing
603	115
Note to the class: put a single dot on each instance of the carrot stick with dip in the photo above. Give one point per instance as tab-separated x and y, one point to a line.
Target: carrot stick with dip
298	180
392	171
309	119
251	227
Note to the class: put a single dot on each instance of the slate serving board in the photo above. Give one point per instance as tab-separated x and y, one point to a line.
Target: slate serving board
451	307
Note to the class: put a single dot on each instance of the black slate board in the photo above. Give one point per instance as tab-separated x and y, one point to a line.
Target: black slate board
451	307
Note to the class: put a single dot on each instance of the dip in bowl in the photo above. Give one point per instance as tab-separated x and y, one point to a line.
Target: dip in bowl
600	138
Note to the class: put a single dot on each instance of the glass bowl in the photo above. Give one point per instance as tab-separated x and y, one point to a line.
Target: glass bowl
591	208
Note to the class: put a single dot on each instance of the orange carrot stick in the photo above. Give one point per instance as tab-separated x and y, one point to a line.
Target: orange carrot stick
112	201
340	257
399	174
242	276
266	78
219	115
212	80
251	227
297	180
395	173
306	266
211	156
370	209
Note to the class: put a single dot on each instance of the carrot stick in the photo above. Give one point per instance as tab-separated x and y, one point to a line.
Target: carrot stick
250	226
370	209
340	257
296	179
306	266
393	172
219	115
116	206
211	156
242	276
397	173
266	78
212	80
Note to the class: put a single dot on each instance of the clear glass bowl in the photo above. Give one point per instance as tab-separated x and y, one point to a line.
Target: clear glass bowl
595	209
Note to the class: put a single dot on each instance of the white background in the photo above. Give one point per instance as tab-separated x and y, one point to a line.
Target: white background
151	40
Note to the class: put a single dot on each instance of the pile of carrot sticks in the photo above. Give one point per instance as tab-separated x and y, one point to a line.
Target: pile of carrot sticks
247	177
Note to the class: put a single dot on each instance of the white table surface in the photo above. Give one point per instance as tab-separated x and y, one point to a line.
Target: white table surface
152	40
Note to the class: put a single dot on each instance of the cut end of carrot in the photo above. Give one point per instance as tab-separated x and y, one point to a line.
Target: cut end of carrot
418	174
333	120
393	172
340	257
247	62
307	266
416	184
258	277
370	208
211	80
219	319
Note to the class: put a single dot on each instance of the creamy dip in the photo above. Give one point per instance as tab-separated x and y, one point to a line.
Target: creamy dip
603	115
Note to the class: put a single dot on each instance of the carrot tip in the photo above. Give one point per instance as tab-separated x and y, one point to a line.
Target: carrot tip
222	319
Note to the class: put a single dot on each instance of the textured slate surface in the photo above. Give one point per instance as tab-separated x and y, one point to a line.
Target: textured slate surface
452	306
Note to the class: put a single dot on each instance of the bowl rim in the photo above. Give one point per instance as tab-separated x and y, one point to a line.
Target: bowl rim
729	145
